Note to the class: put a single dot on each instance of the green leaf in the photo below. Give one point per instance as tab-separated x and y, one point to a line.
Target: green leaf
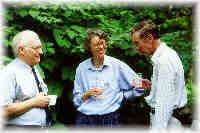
61	39
102	18
67	13
78	29
71	34
34	13
51	51
49	44
23	13
124	45
79	41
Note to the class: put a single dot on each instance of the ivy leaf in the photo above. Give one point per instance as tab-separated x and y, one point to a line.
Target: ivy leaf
61	39
67	13
23	13
79	40
78	29
102	18
122	13
123	45
51	51
71	34
34	13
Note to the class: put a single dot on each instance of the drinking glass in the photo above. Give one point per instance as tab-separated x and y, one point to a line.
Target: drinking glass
138	83
97	83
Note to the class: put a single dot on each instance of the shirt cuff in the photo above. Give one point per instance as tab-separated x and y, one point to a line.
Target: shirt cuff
78	101
128	94
132	93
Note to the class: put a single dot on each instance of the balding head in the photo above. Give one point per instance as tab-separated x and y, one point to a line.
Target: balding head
22	39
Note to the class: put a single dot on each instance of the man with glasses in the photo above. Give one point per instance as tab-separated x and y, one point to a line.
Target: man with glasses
25	94
168	86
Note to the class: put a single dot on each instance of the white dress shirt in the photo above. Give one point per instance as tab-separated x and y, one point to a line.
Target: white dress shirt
168	86
18	84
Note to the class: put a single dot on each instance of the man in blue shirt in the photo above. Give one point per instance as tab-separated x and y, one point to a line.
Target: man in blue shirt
101	82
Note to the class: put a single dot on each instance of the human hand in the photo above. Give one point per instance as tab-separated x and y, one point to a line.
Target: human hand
146	84
92	92
41	100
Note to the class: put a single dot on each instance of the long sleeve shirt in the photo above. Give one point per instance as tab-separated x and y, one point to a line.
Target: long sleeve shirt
114	77
168	86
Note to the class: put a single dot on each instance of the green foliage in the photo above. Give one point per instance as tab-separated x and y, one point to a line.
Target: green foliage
55	88
49	64
67	72
190	93
63	28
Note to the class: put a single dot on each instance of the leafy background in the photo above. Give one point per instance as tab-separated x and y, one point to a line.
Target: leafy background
62	30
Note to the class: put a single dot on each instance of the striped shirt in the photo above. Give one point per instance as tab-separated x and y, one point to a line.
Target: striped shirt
168	86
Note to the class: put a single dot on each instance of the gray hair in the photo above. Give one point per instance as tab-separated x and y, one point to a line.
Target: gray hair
22	39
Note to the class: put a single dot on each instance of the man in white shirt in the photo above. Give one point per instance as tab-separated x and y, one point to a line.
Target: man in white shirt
25	94
168	86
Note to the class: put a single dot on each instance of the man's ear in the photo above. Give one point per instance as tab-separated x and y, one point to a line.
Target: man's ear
21	51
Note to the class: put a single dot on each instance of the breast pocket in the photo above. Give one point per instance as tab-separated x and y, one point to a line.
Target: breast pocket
25	89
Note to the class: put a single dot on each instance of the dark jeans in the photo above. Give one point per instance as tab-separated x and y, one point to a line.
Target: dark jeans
110	120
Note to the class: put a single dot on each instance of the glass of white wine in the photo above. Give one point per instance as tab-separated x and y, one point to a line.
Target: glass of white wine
97	83
138	83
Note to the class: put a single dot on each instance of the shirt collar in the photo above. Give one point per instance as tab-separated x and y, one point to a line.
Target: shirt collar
23	64
158	52
106	63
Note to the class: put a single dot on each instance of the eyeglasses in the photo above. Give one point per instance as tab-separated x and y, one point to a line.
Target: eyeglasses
35	48
100	44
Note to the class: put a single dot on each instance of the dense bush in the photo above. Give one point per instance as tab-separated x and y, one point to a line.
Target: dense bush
63	28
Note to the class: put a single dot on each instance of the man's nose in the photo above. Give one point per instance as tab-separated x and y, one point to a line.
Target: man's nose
101	46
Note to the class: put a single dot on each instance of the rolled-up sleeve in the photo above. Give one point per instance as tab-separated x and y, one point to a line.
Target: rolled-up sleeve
127	75
78	89
132	93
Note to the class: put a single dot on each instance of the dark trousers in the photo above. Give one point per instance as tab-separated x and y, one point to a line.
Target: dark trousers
110	120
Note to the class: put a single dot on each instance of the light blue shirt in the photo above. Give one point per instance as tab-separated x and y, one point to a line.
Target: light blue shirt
18	83
114	77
